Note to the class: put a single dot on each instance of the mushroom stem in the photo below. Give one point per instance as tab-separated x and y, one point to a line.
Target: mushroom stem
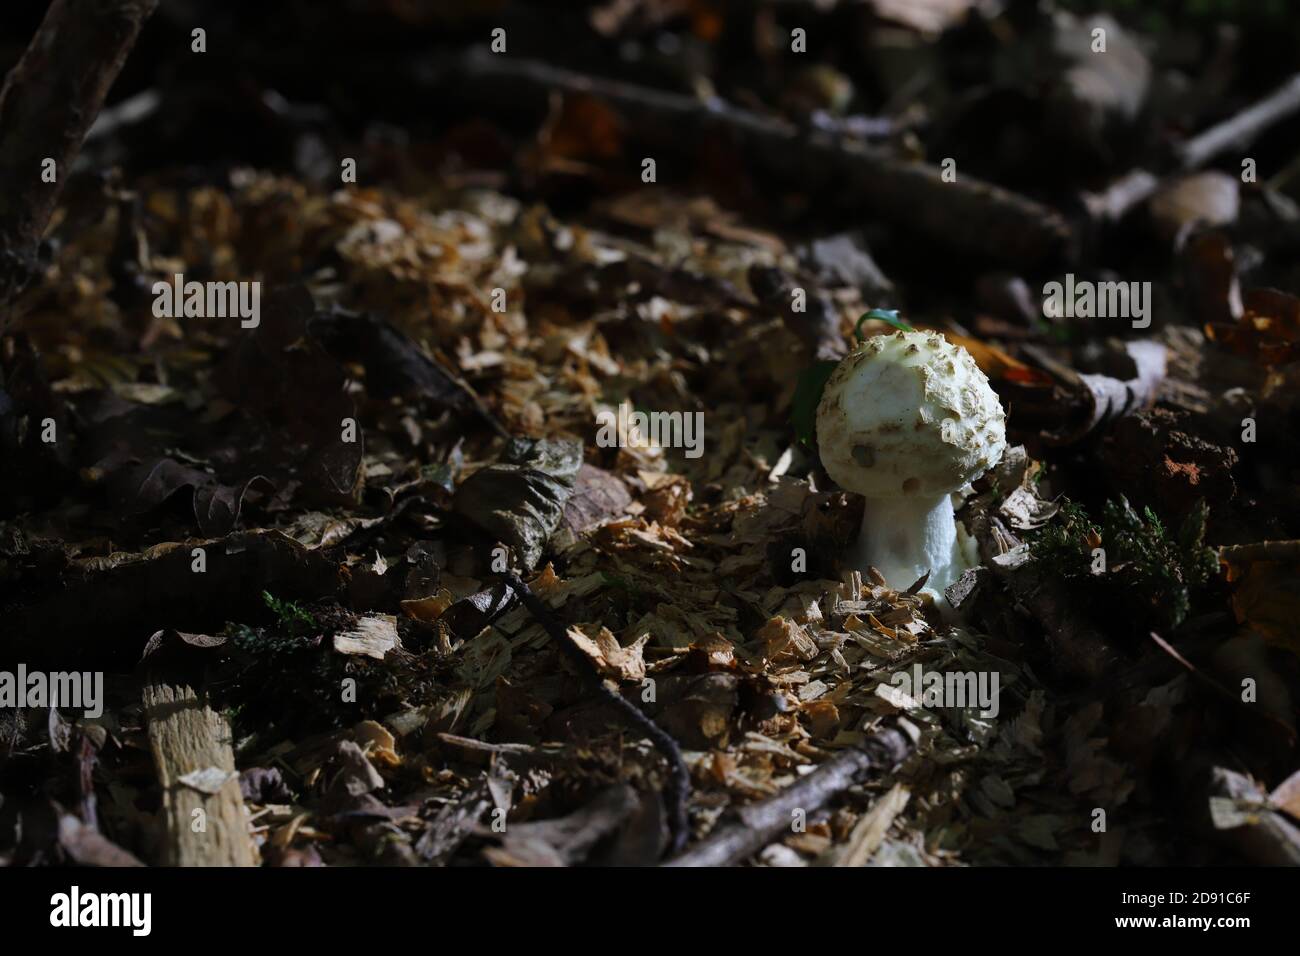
902	538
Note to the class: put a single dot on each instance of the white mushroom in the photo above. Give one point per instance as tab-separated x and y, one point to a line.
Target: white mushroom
905	421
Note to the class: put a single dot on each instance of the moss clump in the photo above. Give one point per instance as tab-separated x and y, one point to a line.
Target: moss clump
290	616
287	674
1158	573
1064	546
277	678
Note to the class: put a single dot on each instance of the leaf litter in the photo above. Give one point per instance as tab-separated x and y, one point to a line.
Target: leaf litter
390	699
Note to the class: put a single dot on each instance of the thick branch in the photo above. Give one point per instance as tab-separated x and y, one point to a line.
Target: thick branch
49	101
965	215
760	823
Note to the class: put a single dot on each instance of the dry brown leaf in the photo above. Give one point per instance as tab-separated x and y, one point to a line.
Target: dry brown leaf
429	609
611	658
1268	331
1267	599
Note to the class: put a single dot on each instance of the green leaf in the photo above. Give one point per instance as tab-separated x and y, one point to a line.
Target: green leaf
883	315
807	396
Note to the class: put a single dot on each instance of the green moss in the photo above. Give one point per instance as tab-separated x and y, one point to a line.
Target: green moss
290	616
294	682
1157	573
1168	570
1062	545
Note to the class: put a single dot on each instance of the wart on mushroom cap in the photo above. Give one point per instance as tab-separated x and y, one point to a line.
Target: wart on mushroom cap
906	420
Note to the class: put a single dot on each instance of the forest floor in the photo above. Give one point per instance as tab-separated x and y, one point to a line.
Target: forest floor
289	544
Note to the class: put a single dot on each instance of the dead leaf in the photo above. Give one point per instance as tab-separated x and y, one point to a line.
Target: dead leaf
612	659
208	780
1268	331
428	609
520	498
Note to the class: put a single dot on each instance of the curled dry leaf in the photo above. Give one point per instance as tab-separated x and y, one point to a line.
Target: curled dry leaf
520	498
1098	399
1268	331
1266	598
611	658
429	609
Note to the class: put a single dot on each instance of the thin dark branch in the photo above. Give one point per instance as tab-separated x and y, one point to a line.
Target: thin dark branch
679	782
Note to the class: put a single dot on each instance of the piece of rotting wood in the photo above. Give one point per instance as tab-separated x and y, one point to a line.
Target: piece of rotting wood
204	820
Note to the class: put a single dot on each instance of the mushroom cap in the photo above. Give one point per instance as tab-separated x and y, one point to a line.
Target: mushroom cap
909	414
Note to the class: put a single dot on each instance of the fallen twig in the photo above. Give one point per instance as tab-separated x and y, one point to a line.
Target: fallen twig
1239	130
760	823
965	214
1196	672
159	587
395	365
49	101
1136	186
870	830
1223	692
679	783
471	750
